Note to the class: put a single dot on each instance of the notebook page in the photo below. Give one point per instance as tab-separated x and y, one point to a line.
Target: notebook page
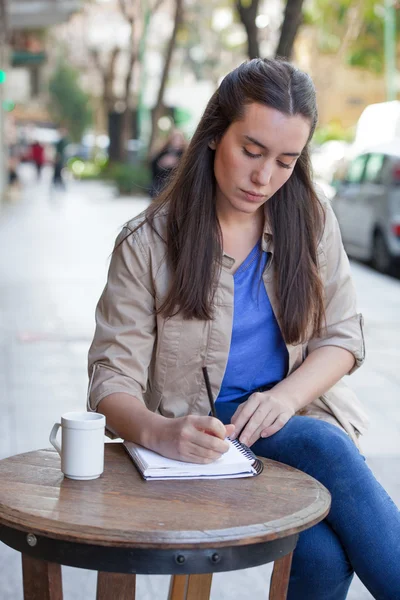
152	464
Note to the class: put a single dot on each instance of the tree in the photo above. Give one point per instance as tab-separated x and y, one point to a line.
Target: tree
290	26
352	29
136	14
107	71
164	77
69	105
248	11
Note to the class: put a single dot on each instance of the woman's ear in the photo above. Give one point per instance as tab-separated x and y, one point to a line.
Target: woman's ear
212	144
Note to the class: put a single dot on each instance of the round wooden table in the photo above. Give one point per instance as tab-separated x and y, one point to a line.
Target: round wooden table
120	525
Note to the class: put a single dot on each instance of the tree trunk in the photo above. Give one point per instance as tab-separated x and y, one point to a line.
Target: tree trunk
109	99
248	13
164	78
126	121
291	23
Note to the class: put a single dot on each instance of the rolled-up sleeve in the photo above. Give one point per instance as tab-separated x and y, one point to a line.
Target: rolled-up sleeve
344	325
120	354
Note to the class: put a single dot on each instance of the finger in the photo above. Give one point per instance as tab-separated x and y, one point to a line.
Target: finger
237	411
245	408
240	418
200	454
274	416
210	442
254	438
230	430
263	415
257	433
234	421
212	425
193	431
279	423
268	429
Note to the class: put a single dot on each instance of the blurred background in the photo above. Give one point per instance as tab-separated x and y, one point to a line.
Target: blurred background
98	99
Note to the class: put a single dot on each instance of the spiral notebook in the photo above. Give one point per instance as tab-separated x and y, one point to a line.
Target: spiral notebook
239	461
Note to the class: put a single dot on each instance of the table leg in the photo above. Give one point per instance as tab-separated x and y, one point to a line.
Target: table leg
199	587
190	587
41	579
115	585
178	587
280	578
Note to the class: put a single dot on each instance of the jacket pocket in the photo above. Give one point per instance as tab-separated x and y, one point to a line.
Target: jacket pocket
180	341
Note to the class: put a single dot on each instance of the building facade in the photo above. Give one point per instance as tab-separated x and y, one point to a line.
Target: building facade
20	48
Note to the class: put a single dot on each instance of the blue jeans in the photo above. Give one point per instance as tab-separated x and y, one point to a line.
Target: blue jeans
362	530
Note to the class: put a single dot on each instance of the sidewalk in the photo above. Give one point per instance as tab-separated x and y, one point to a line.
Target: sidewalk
54	251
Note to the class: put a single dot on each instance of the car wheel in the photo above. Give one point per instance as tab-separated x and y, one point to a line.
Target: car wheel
382	260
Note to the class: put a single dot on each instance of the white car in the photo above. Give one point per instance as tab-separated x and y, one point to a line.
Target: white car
367	206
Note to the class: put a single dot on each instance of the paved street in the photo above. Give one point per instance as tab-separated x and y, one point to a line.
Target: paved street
54	249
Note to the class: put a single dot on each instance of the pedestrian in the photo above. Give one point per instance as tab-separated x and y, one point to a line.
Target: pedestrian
13	187
59	160
239	267
38	156
12	171
166	161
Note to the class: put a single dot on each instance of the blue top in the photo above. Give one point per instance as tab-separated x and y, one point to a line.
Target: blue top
258	355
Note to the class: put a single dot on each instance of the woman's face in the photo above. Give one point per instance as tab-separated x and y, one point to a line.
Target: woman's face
256	156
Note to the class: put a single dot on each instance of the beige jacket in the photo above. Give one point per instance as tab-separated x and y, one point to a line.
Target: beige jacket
159	360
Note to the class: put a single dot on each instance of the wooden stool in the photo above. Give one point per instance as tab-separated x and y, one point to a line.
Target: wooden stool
120	525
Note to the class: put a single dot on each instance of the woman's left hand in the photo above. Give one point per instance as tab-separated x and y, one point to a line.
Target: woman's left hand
262	415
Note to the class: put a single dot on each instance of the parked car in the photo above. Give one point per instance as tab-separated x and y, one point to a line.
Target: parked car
367	206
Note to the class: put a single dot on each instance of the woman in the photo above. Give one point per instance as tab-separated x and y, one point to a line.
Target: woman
38	156
238	267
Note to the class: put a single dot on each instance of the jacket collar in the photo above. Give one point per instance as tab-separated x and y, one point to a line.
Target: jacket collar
266	244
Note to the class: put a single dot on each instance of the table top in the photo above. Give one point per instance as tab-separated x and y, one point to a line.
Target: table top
121	510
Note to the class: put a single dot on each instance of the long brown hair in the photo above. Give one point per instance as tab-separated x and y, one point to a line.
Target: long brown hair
194	240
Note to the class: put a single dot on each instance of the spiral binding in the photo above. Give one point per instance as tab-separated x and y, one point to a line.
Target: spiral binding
244	449
257	464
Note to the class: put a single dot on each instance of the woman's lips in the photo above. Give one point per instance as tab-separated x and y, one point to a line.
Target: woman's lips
253	196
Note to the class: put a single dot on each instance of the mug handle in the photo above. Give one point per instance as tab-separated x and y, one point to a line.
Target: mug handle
53	435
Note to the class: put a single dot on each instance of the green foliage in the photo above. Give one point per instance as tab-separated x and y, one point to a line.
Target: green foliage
87	169
129	179
69	105
333	20
333	131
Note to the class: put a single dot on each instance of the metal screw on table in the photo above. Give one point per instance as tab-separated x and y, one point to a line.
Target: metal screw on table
31	539
180	559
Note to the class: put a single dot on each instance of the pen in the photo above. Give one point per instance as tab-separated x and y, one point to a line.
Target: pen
209	392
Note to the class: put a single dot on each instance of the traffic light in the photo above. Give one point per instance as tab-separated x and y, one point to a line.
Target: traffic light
3	76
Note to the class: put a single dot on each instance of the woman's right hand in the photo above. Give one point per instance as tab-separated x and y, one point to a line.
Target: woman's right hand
192	438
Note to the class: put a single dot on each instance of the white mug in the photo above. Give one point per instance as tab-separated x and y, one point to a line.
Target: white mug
82	444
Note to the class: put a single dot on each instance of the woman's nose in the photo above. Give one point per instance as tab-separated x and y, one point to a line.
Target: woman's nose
262	176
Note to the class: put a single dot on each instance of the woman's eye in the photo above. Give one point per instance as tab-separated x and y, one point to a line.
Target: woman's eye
250	154
284	165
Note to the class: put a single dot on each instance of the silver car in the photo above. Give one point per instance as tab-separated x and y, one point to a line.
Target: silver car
367	206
